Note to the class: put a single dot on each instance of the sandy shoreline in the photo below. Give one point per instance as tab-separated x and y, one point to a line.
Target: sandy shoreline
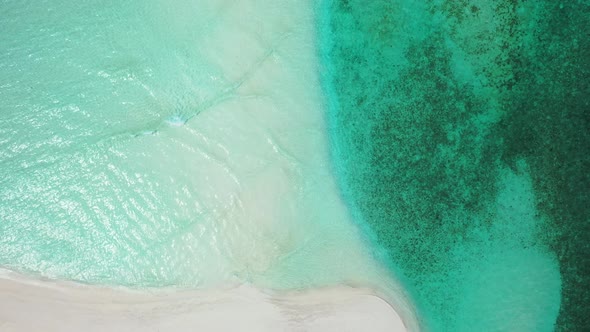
230	176
27	304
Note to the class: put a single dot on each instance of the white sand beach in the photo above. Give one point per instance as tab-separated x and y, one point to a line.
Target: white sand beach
33	305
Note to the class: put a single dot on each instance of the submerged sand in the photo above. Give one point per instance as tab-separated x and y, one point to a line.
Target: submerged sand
227	182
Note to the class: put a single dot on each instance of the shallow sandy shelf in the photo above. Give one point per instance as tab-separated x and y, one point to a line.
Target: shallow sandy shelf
33	305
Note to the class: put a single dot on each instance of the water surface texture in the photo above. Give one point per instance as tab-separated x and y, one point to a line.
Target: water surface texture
169	143
461	133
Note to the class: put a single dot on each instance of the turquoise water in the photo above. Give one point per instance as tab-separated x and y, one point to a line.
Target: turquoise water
158	143
85	90
459	131
188	143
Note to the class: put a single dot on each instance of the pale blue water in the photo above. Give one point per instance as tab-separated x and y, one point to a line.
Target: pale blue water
84	89
168	143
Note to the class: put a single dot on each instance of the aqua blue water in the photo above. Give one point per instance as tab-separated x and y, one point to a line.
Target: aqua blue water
158	143
84	89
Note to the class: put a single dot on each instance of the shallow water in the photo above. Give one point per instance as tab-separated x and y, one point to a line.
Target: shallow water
169	143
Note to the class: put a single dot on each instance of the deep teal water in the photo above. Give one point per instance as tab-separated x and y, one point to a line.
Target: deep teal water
461	134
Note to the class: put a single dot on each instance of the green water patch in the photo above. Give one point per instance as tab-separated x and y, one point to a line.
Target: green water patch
460	134
548	124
